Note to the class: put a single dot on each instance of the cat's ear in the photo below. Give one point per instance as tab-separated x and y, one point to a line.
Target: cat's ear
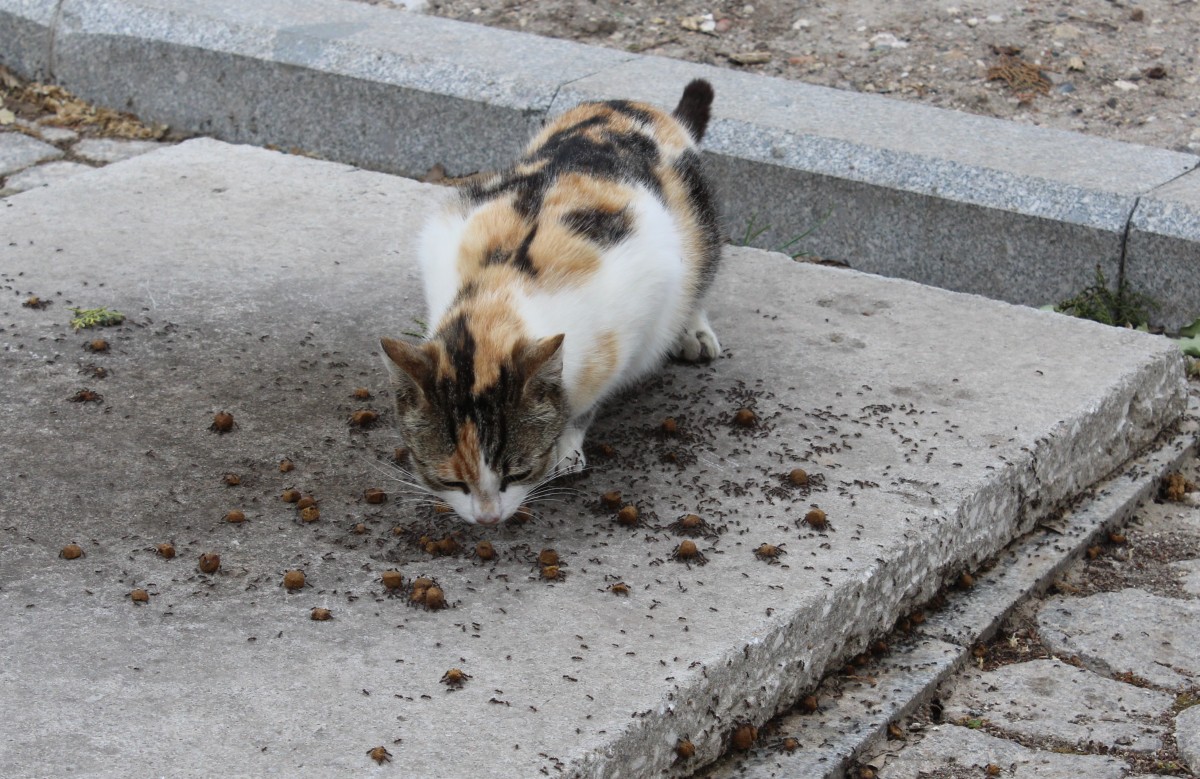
542	360
410	367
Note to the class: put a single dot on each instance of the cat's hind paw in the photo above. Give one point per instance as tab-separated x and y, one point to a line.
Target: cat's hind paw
698	343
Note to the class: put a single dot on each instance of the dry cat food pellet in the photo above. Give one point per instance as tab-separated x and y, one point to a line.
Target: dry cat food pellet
392	580
359	529
607	451
628	515
455	677
209	562
310	514
966	581
611	500
768	552
745	418
790	744
619	588
222	422
685	749
548	557
86	396
1093	552
305	502
98	345
669	426
374	496
293	580
166	551
231	479
687	550
798	477
320	615
290	496
139	596
362	393
235	516
817	519
71	552
1117	538
744	737
485	551
551	572
810	704
435	598
380	755
363	418
286	465
691	522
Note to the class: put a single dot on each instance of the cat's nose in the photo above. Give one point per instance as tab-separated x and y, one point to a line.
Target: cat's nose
488	519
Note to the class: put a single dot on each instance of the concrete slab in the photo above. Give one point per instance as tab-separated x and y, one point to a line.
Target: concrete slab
26	35
42	176
1163	258
18	151
257	282
107	150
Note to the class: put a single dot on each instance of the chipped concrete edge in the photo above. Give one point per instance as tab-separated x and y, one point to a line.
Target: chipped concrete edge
343	80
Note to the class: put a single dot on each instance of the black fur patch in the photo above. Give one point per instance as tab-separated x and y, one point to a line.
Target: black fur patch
695	108
691	172
603	228
520	259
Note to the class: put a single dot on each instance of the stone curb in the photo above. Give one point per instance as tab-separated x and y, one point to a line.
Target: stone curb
964	202
854	715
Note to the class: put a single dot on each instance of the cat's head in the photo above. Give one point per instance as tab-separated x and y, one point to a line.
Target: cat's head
480	429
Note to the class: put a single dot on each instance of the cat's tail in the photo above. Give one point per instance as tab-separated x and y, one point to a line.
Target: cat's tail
694	108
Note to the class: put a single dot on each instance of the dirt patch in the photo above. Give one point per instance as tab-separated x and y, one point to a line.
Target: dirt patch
1121	70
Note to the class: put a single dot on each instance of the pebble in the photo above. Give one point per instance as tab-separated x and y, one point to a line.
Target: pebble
1155	638
1048	698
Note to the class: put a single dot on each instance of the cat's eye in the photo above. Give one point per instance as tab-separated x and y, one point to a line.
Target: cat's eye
457	485
513	478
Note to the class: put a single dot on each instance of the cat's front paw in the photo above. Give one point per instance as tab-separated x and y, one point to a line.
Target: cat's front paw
568	454
698	343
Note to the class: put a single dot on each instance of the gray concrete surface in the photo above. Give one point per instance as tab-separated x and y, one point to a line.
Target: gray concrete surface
1164	249
18	151
941	425
964	202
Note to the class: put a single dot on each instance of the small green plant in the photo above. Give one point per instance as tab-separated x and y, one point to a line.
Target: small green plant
1189	339
95	317
1122	308
754	231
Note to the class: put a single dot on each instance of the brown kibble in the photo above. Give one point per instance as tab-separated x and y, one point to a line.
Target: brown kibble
798	477
374	496
35	302
1117	537
918	617
790	744
607	451
611	500
455	678
435	598
166	551
628	515
310	514
551	572
139	596
359	529
448	546
222	422
980	651
422	583
619	588
380	755
98	345
687	550
71	552
991	769
1093	552
894	731
744	736
286	465
392	579
364	418
966	581
1175	486
294	579
691	522
320	615
745	418
231	479
669	426
305	502
290	496
485	551
209	562
548	557
362	393
86	396
866	772
817	519
810	704
685	749
235	516
768	552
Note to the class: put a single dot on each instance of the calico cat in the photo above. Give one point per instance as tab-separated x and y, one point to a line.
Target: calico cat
553	284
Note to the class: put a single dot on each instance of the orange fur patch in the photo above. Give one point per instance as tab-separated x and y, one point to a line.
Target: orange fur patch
463	465
598	368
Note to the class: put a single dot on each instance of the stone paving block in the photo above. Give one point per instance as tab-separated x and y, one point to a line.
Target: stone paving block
956	748
1155	638
109	150
346	81
1187	737
1050	699
18	151
258	283
852	712
1189	572
44	175
25	35
1163	255
963	202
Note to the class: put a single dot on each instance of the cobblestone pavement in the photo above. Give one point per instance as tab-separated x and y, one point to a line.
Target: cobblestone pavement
1100	678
